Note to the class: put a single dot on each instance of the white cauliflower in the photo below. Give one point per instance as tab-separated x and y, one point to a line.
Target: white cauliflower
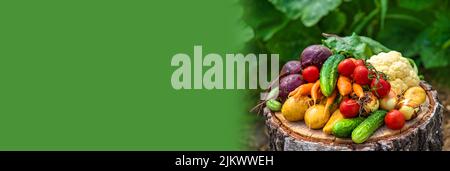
401	75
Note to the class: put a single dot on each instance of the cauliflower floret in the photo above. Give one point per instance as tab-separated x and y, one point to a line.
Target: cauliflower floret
398	85
401	74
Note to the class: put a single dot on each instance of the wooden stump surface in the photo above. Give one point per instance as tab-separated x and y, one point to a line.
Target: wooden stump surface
422	133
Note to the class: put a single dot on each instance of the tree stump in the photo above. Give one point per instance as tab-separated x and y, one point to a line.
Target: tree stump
424	133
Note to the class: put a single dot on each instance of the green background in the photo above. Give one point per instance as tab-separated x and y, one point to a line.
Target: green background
95	75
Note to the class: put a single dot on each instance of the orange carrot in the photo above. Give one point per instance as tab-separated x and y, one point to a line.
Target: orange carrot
315	91
304	89
344	85
358	90
330	101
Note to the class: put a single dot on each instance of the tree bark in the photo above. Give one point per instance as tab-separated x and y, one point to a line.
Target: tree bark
424	133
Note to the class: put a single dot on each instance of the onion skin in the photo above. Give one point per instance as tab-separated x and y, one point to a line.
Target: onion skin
370	104
408	112
414	97
389	102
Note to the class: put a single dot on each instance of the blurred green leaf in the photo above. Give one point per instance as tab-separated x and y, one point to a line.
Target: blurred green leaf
433	57
411	27
366	20
247	33
400	34
430	42
334	22
292	39
384	8
406	17
310	11
355	12
263	18
356	19
416	5
372	28
446	44
438	75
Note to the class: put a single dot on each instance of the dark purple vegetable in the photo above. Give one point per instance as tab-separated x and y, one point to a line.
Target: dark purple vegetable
289	83
291	67
315	55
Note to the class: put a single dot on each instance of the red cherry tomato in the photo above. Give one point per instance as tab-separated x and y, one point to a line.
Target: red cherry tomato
394	120
346	67
311	74
361	75
349	108
380	88
359	62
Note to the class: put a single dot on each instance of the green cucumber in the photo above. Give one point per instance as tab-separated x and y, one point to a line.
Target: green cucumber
329	74
273	105
344	127
368	127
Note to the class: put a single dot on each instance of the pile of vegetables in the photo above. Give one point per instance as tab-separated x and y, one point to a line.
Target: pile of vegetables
349	87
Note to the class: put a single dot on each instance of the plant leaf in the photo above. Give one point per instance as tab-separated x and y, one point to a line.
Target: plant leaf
384	8
406	18
292	39
375	46
310	11
430	42
357	18
446	44
333	22
356	46
400	34
263	18
366	20
416	5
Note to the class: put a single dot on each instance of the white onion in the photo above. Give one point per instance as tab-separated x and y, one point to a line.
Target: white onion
388	102
408	111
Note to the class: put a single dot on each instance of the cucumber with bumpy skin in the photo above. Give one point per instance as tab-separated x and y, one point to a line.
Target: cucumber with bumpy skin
368	126
329	74
344	127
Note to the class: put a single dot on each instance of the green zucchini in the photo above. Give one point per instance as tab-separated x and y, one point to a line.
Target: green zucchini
344	127
368	127
329	74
